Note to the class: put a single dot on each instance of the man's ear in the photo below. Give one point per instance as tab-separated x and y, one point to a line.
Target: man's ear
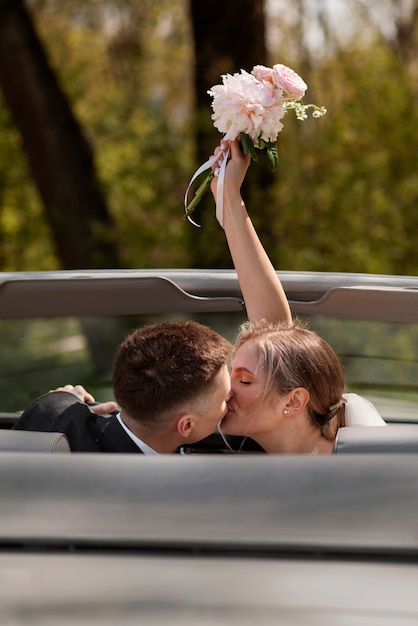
298	399
184	425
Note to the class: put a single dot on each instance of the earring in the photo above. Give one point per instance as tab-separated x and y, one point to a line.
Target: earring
286	412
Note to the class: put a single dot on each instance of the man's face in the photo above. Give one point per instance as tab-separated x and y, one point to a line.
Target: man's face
214	407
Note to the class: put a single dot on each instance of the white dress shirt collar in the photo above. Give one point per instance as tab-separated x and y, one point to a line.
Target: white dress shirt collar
145	448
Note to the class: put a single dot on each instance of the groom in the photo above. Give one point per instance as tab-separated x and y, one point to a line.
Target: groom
171	383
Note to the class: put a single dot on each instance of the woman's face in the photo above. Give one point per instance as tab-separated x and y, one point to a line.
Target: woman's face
248	380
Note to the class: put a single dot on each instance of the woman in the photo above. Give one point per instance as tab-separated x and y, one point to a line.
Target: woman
287	383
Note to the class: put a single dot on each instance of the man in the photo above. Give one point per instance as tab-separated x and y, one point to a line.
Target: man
171	382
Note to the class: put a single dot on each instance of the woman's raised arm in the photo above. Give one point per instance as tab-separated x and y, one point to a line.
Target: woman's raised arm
261	288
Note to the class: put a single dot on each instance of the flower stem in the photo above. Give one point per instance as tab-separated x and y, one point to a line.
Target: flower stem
200	192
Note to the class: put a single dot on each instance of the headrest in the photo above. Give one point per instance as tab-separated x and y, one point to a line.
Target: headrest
32	441
396	438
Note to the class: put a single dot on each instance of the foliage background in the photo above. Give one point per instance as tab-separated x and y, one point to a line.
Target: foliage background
345	194
343	198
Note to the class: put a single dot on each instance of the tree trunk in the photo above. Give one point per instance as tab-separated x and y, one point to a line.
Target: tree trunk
59	155
228	37
406	34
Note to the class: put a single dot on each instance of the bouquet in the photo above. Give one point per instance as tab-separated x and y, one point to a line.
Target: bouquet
250	106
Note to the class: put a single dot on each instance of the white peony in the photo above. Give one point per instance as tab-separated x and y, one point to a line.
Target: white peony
243	104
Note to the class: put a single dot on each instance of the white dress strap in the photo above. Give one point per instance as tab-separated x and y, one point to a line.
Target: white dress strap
361	412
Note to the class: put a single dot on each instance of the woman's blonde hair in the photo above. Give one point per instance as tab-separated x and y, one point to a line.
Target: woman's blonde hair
293	356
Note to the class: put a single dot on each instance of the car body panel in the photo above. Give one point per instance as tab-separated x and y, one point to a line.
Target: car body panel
126	292
251	504
155	590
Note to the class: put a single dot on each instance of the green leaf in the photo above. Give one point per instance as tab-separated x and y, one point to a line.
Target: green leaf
272	156
248	146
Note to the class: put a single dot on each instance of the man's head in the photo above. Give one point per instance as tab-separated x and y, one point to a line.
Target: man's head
172	378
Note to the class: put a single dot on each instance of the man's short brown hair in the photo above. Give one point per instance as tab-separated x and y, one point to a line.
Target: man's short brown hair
163	367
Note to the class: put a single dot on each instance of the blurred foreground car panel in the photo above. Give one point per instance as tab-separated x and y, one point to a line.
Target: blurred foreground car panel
105	590
126	539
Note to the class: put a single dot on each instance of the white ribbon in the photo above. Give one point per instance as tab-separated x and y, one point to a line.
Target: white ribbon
220	173
220	188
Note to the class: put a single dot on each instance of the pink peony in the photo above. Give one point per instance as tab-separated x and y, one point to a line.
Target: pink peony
291	83
261	72
243	104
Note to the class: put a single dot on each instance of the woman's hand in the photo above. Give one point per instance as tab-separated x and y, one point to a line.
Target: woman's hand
100	408
236	168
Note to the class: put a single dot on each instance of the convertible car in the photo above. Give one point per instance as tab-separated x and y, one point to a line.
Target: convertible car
207	538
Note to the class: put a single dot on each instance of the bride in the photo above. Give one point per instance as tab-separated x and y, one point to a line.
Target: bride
287	383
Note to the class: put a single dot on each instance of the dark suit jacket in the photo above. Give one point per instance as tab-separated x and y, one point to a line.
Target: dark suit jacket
63	412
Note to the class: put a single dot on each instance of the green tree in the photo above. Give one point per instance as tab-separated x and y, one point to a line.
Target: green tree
25	240
59	156
344	195
346	188
120	65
